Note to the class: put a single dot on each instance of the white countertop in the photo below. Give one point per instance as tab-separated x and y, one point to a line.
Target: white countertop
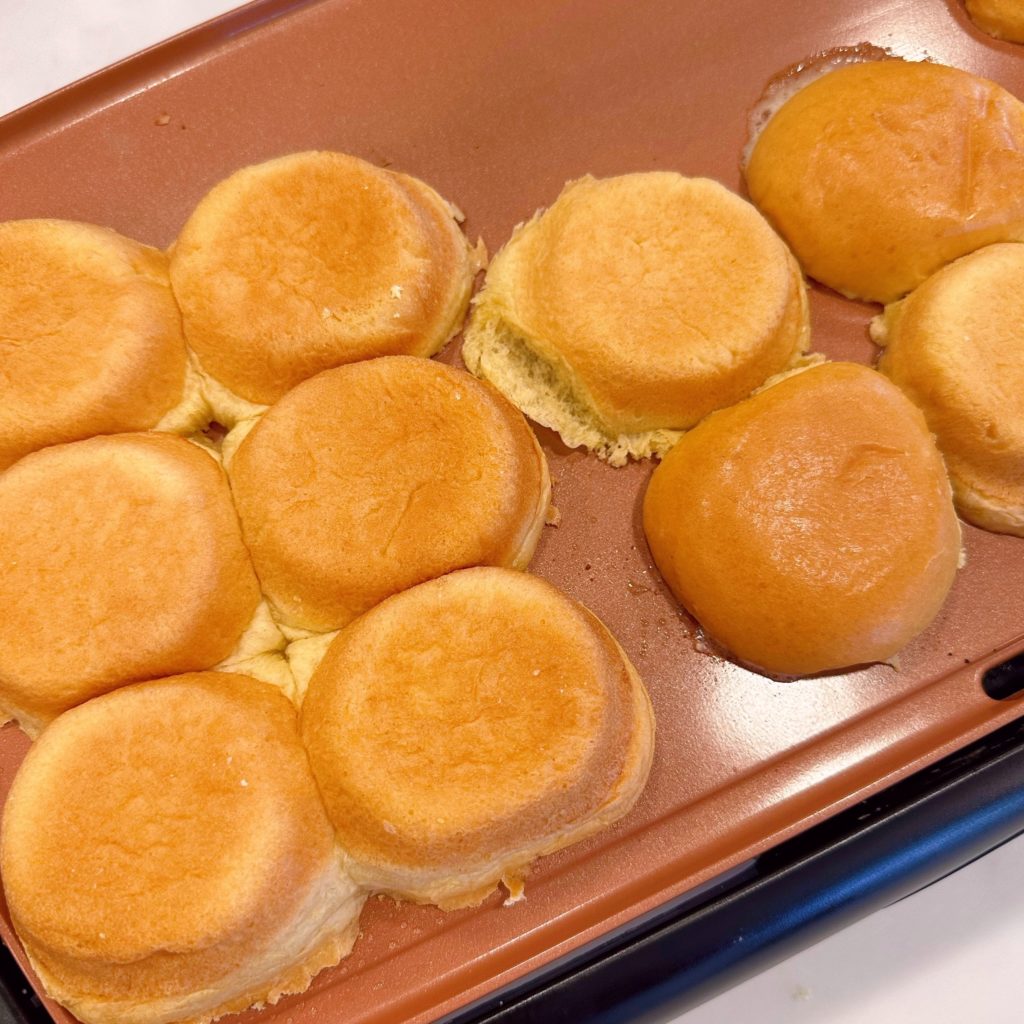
946	955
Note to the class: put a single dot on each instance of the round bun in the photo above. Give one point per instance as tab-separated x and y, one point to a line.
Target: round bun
376	476
804	543
124	560
633	307
1003	19
466	726
313	260
879	173
954	347
159	874
92	340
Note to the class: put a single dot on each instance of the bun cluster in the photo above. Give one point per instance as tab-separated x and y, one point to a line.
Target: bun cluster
168	853
284	660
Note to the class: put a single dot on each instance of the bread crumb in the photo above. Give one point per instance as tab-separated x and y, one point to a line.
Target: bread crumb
244	782
553	516
535	672
396	291
162	120
516	889
325	314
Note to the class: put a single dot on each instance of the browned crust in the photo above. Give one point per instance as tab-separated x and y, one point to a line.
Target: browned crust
421	468
90	334
170	881
506	723
953	346
830	171
91	532
314	260
652	297
804	543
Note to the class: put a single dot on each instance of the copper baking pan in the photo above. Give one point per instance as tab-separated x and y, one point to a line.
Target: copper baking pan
496	105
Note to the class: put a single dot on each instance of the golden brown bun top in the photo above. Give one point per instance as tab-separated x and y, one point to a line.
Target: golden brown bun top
467	716
124	560
811	527
155	837
879	173
313	260
660	297
90	335
372	477
954	346
1003	19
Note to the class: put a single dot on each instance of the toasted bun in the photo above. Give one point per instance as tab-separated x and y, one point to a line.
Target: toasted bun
1003	19
314	260
633	307
954	347
372	477
879	173
124	560
803	541
91	336
160	873
466	726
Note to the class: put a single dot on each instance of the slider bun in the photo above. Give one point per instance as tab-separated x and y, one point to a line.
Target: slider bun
314	260
1003	19
809	528
166	856
954	346
879	173
376	476
123	559
464	727
91	336
633	307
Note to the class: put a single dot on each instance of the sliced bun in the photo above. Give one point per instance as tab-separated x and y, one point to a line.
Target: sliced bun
92	340
466	726
804	542
954	346
123	559
376	476
633	307
1003	19
879	173
314	260
166	855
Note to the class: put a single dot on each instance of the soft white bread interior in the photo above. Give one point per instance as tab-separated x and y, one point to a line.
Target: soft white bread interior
633	307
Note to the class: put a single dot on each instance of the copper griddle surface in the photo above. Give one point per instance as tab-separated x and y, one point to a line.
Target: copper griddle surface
496	105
